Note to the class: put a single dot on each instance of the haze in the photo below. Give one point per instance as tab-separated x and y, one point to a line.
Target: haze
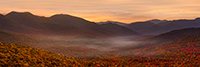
102	10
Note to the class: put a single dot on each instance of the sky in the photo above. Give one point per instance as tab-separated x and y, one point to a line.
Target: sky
126	11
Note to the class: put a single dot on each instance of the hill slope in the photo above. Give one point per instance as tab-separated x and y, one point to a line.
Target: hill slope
9	25
175	35
42	25
183	52
156	27
172	25
113	22
140	26
118	30
59	24
19	55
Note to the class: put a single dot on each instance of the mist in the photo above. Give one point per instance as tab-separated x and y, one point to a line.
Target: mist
100	44
89	46
113	42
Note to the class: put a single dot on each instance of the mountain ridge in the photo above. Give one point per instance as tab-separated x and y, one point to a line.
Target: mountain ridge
61	24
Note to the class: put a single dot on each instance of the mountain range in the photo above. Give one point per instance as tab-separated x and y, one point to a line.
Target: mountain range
173	35
80	42
114	22
63	24
59	24
156	27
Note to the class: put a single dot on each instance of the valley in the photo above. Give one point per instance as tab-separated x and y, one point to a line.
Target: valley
65	40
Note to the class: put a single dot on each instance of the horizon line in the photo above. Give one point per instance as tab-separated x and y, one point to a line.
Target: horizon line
92	21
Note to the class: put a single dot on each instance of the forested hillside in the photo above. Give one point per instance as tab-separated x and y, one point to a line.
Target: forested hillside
183	52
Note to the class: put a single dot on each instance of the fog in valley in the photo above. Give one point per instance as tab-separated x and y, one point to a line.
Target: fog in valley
89	46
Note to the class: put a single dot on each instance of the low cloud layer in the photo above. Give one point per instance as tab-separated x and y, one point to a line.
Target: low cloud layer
108	44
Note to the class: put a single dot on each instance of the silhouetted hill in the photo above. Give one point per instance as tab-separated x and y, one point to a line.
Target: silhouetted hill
42	24
140	26
175	35
173	25
67	20
63	24
162	26
197	20
157	21
119	30
60	24
114	22
9	25
159	29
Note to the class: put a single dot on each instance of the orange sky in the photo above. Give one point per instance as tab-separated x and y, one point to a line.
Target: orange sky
126	11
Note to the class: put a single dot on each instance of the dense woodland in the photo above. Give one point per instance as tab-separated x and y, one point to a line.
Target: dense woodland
183	52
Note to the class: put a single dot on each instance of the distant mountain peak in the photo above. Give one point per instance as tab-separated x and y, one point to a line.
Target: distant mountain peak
1	15
66	16
21	13
146	22
62	16
157	21
197	19
113	22
109	24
